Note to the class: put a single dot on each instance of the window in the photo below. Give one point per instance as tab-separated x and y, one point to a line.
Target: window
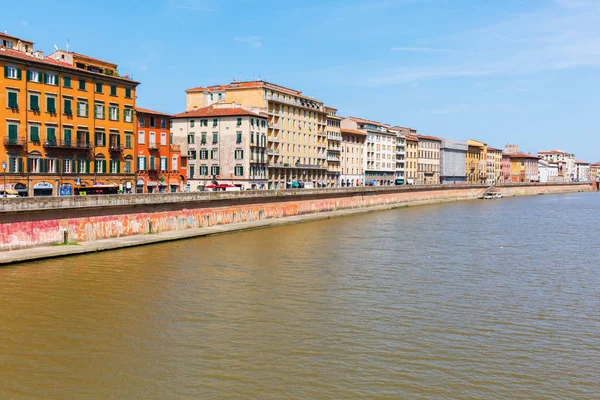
128	141
192	154
34	76
215	138
67	166
113	113
67	82
238	139
163	163
239	154
13	100
252	121
127	166
98	88
127	93
214	154
12	72
192	123
67	110
34	134
100	139
215	122
82	109
163	139
51	134
15	164
113	90
174	164
251	138
51	104
128	114
141	137
238	170
152	165
34	102
163	123
141	120
84	166
191	138
82	84
99	111
115	166
152	122
67	137
50	79
141	163
204	122
203	139
204	170
100	166
204	154
215	170
191	173
239	122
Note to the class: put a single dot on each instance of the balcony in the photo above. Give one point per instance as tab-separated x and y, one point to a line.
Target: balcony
67	144
334	137
272	152
15	142
153	146
274	139
274	126
175	147
116	147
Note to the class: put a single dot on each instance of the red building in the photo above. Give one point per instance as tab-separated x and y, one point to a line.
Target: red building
159	165
505	176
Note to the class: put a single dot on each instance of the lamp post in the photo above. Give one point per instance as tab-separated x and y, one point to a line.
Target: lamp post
4	169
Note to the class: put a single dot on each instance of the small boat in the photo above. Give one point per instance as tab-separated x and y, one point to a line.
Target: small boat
492	195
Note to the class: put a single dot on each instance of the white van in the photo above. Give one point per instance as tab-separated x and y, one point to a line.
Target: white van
309	185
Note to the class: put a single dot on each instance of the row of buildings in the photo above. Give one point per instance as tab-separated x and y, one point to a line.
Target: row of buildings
70	124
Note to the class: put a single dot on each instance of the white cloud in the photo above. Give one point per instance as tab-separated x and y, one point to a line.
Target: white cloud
253	41
420	49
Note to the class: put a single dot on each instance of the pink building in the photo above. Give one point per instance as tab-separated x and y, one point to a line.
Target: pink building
505	176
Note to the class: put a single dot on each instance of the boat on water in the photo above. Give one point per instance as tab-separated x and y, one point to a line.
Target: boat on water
492	195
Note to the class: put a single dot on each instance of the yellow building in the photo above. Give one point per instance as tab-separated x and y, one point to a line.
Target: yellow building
494	157
477	162
411	167
66	123
297	142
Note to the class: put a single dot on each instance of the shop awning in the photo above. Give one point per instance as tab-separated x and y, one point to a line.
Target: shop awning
152	184
173	181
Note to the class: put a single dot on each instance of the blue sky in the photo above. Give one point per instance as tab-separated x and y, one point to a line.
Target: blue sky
509	71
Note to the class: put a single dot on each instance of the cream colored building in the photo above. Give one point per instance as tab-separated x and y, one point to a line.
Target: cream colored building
476	162
225	143
429	160
379	151
494	165
296	140
352	160
334	143
411	163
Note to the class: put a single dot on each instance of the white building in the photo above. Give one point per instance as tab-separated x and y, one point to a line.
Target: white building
352	156
224	142
379	151
566	162
547	171
400	133
583	170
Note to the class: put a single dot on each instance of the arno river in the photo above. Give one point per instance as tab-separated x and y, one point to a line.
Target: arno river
471	300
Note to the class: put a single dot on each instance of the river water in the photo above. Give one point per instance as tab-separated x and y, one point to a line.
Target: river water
468	300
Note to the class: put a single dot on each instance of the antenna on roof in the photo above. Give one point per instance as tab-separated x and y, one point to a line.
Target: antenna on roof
67	45
55	47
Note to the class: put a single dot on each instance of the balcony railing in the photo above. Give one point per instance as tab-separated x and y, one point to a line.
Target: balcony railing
116	147
67	144
153	146
175	147
17	142
273	139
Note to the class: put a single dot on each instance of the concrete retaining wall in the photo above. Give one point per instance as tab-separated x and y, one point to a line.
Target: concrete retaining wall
40	222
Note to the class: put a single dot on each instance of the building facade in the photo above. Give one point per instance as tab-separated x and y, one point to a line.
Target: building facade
400	133
523	168
494	165
225	143
334	147
379	151
583	171
505	169
296	140
476	162
412	159
352	160
565	160
548	171
66	122
159	166
453	159
594	172
429	160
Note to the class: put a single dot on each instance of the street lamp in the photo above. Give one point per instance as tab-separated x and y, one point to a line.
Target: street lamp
4	169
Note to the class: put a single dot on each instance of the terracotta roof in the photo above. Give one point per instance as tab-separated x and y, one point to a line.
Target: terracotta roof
553	152
56	63
430	138
366	121
493	149
522	155
216	112
147	111
581	162
252	84
14	37
412	138
353	131
91	58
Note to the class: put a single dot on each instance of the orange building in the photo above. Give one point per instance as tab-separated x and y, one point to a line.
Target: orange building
66	122
159	165
523	167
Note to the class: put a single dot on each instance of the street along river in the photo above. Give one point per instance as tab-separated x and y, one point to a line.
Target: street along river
475	299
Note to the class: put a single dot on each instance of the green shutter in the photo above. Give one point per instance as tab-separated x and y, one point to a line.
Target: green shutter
118	167
51	105
13	100
67	107
51	135
13	133
34	102
87	109
45	77
34	134
20	164
67	82
67	137
6	72
117	113
19	78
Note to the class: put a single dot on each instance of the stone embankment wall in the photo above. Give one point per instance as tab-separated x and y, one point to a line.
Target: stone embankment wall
33	222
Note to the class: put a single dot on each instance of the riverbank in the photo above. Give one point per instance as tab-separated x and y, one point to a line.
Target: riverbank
98	224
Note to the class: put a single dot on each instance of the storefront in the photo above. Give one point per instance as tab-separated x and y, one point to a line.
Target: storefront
43	189
66	189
